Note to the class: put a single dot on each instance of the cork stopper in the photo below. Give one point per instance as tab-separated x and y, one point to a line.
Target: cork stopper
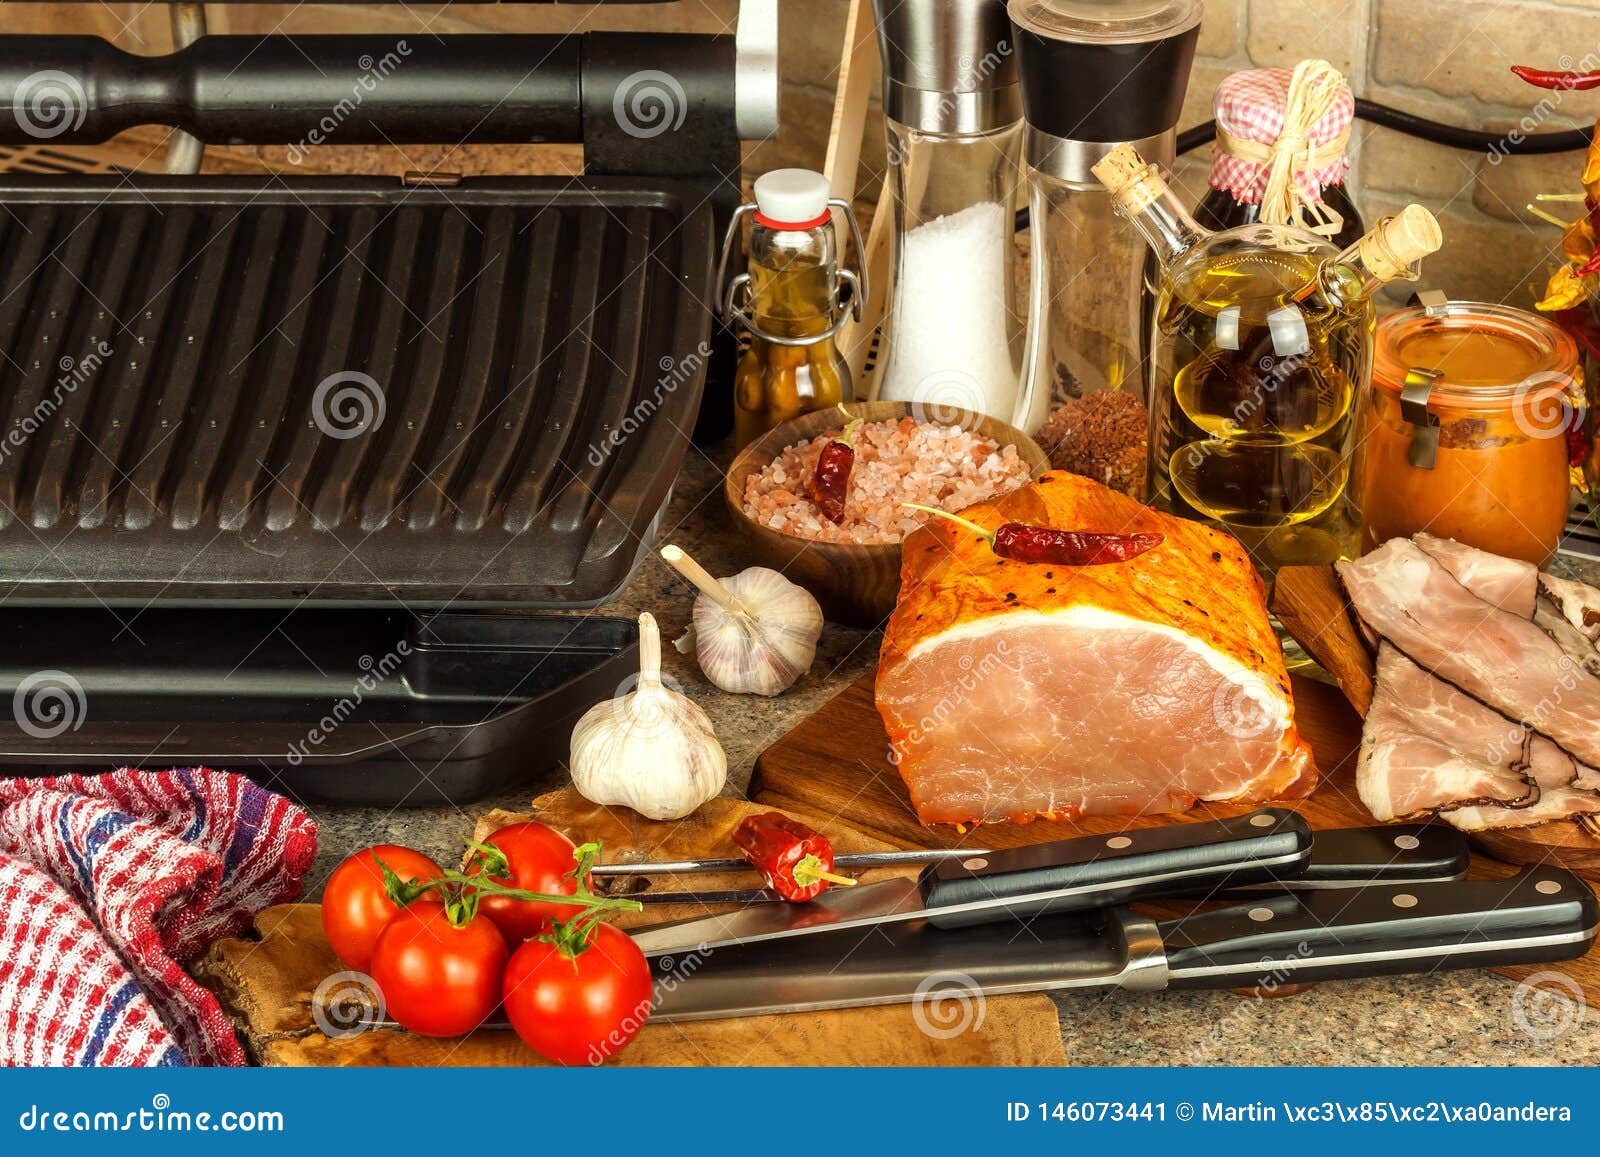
1127	177
1397	243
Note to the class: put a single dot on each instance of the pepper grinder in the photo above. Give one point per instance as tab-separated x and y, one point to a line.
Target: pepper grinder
1095	74
953	119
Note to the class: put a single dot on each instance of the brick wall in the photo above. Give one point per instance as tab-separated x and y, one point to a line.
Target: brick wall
1446	59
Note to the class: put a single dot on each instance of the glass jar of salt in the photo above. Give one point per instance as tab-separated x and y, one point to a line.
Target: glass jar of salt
953	117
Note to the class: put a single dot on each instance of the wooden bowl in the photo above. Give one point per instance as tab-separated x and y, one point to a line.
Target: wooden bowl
856	585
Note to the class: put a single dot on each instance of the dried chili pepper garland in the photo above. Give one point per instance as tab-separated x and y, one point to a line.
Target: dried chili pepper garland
830	484
1046	544
797	862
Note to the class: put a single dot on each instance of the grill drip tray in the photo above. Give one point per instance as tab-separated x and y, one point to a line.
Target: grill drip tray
365	707
342	390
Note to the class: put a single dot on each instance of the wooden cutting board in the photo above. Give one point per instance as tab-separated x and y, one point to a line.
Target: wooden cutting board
269	983
836	763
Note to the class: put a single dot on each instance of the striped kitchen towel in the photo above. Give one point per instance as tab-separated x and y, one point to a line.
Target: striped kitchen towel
109	884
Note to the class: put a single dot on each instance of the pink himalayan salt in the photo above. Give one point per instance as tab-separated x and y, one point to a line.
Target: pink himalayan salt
896	462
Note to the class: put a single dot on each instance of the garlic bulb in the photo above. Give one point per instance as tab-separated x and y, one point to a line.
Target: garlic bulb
651	749
755	633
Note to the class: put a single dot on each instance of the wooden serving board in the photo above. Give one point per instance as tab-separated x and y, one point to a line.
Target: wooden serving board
1311	605
268	983
836	763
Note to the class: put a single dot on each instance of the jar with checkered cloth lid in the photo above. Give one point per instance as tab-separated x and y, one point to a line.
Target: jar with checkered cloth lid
1279	156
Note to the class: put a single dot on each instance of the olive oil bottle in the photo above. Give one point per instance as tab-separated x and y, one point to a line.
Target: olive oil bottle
1263	340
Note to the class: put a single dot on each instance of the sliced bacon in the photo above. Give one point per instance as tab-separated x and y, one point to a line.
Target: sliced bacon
1563	803
1547	616
1426	746
1509	583
1497	657
1579	603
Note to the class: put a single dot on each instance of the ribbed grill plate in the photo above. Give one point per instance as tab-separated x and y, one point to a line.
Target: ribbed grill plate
184	360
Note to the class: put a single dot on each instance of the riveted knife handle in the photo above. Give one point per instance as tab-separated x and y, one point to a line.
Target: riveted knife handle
1389	854
1543	914
1098	871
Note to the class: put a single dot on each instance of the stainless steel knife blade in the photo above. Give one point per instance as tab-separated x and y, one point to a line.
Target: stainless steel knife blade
1545	914
850	862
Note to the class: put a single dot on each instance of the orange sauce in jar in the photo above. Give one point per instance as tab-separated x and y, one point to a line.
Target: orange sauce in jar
1503	402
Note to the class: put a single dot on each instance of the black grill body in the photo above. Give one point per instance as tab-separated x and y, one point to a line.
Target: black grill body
343	390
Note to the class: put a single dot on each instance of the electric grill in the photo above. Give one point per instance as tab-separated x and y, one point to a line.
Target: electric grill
377	395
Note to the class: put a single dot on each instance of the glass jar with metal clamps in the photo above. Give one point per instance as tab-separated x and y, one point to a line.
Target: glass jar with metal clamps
792	301
1468	430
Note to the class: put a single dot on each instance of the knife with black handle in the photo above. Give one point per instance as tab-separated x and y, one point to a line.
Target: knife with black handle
1068	875
1340	858
1182	859
1542	915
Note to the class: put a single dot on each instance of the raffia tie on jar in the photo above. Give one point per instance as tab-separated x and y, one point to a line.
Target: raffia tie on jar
1281	140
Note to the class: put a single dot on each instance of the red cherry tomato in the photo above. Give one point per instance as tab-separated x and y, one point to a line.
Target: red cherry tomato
540	860
438	979
583	1009
354	905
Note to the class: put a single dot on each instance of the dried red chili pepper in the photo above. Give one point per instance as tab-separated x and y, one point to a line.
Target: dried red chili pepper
1563	79
1069	547
1045	544
797	862
830	484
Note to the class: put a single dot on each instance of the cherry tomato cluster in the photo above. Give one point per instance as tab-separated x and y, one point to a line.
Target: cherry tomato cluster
447	948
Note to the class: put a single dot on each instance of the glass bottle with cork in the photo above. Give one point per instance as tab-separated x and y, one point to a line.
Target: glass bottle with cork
1265	338
1279	154
792	301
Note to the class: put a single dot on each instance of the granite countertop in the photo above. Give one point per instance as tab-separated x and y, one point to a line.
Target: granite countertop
1446	1019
